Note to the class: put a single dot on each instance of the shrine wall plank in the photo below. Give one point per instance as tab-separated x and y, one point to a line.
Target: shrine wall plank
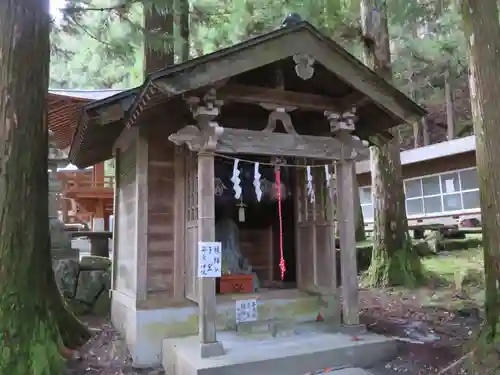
160	214
126	254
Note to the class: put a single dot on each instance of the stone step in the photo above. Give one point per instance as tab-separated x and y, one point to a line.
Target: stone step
304	353
271	327
286	328
346	371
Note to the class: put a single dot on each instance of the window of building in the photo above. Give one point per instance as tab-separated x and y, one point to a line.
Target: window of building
437	194
366	199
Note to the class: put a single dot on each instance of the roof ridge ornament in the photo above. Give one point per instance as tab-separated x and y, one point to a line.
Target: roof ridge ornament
291	19
304	65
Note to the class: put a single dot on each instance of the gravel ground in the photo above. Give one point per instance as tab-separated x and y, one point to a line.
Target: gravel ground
441	335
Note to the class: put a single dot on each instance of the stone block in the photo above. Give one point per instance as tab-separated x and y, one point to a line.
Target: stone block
94	263
90	285
66	276
102	306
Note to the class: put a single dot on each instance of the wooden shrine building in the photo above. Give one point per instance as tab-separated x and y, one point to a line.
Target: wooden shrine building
288	99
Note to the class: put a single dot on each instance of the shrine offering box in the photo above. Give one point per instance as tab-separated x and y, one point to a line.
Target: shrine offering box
230	284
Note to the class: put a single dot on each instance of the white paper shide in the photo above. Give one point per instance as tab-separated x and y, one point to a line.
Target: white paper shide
209	259
246	311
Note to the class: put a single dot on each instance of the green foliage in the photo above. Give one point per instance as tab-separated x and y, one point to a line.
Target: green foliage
96	49
102	47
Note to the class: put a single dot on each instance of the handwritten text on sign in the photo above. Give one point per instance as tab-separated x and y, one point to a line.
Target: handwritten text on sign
209	259
246	311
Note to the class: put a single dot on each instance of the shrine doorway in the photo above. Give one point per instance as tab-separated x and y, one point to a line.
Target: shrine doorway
249	228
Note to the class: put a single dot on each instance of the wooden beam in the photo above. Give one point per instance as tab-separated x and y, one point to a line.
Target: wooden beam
264	95
241	141
266	50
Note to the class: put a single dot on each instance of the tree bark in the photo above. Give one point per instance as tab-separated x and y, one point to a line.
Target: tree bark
159	38
480	20
182	7
425	132
32	313
394	261
448	94
360	222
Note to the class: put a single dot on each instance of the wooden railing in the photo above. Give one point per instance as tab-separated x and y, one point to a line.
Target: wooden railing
108	182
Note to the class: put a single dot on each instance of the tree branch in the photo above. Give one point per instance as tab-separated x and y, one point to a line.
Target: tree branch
125	5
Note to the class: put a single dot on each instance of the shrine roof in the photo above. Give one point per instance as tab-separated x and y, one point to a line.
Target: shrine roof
65	108
339	79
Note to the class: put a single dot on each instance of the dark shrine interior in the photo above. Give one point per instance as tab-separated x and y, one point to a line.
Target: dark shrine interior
260	217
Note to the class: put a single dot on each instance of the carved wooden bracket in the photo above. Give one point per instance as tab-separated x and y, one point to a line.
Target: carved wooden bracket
204	111
304	66
190	136
342	126
280	114
342	122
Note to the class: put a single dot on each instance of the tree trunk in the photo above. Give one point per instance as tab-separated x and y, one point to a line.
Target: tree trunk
480	19
425	132
159	38
448	94
360	222
394	262
31	310
183	24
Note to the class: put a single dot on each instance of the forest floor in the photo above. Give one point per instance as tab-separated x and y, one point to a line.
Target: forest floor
437	319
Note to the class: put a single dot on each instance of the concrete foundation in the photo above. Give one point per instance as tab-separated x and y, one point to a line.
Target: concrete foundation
145	330
313	347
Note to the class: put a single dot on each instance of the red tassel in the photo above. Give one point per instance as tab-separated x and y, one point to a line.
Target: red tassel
282	258
319	318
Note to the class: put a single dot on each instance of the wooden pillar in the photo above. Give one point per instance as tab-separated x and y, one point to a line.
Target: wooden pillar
64	206
99	212
180	223
347	232
98	172
206	233
207	304
116	203
330	216
141	224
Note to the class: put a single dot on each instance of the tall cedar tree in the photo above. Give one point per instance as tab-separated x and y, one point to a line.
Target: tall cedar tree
159	36
394	261
34	321
182	11
481	26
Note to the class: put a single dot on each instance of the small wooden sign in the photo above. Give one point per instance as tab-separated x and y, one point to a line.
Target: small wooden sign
246	311
209	259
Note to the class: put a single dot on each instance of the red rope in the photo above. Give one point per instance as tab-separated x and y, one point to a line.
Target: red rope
282	258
